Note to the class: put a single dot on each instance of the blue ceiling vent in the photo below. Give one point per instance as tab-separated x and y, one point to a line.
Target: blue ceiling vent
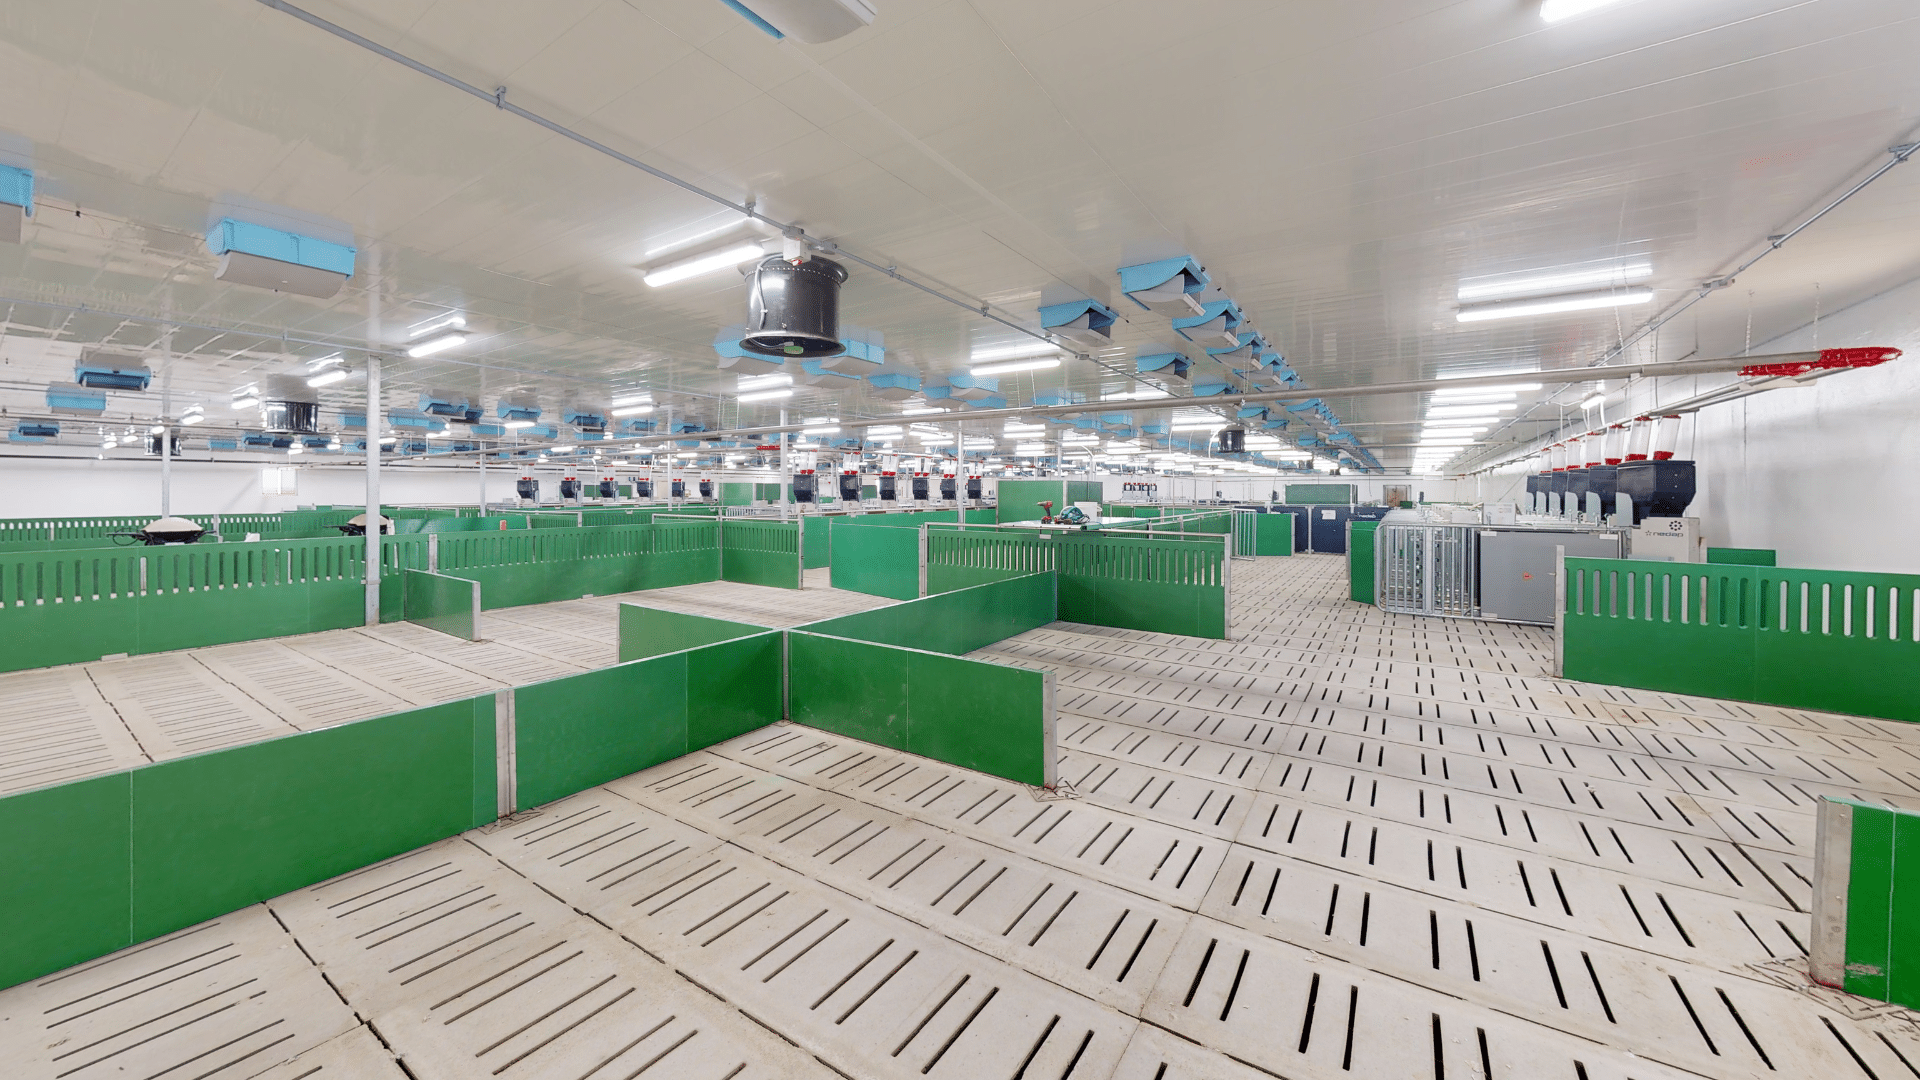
77	399
1253	412
1169	286
726	344
991	401
414	419
890	387
687	427
820	373
1168	363
634	426
517	409
1250	346
16	189
28	431
1275	424
223	444
108	371
1056	398
1085	322
586	419
967	387
461	408
1156	429
1211	389
1218	321
866	351
1115	421
281	261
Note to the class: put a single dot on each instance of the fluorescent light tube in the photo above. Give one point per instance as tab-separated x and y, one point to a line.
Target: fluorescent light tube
1012	352
1552	305
625	400
329	377
438	344
1012	366
1556	10
763	382
1468	412
453	321
763	395
704	264
245	401
1594	402
819	430
516	424
632	410
886	429
1616	274
920	411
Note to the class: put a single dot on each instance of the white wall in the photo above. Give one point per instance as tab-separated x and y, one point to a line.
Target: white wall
1824	474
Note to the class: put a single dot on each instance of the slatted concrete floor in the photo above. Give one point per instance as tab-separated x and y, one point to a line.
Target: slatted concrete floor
80	720
1343	844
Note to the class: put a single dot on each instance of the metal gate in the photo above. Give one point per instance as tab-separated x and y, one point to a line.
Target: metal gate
1246	532
1426	569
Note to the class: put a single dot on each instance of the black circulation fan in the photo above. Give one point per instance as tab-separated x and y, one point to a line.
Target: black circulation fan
794	310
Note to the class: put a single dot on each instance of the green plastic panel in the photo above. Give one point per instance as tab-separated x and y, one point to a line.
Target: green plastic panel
1273	534
815	549
876	561
1079	491
1743	556
761	553
66	888
1830	640
954	622
573	733
439	602
1019	499
736	494
1359	559
216	832
647	632
986	717
1106	579
1874	904
1309	494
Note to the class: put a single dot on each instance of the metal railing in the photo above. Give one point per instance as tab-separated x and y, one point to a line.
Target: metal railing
1426	569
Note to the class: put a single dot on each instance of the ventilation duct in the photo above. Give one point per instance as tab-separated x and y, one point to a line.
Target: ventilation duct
866	352
288	404
738	360
29	432
587	419
76	399
1169	364
461	408
108	371
894	387
1170	286
281	261
794	310
1249	345
1084	322
518	409
812	21
1217	321
16	193
965	387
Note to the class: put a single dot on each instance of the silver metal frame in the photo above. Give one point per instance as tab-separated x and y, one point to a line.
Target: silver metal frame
1832	875
505	767
1426	569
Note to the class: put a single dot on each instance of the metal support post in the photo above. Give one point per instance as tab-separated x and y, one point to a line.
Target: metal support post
373	490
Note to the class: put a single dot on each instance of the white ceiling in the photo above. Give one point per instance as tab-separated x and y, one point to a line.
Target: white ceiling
1338	167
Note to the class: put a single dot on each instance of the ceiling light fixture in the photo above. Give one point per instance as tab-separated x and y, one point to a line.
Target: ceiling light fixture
1468	412
701	265
194	414
1553	305
763	395
451	321
438	344
631	410
1012	352
1012	366
1148	394
829	430
1594	402
625	400
515	425
330	376
1556	10
1509	389
763	382
1595	277
247	400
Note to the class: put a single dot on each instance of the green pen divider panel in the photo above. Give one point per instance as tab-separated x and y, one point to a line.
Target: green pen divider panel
555	519
450	605
1146	512
216	832
1836	641
541	565
956	622
1743	556
982	515
1111	510
876	560
647	632
1683	627
815	548
1159	585
1079	491
737	494
582	730
1019	499
987	717
489	523
66	892
761	552
1359	558
767	493
1273	534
